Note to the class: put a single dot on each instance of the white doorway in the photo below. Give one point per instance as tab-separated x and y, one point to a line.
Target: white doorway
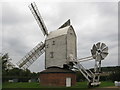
68	82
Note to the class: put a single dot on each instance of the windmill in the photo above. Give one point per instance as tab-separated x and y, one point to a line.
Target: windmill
61	51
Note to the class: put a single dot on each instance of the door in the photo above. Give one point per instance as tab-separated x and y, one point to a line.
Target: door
68	82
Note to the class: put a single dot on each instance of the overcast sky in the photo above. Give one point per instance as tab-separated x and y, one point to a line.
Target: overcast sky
92	21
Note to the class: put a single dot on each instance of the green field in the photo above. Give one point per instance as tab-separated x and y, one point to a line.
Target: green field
37	85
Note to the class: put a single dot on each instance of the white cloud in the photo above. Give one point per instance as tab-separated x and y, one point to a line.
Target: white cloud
0	27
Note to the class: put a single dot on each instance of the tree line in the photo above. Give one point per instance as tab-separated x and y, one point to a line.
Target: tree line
107	74
10	72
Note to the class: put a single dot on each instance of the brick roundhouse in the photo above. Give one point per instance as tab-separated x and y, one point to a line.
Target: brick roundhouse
55	76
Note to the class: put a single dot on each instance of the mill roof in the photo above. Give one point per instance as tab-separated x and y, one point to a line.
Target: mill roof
57	70
58	32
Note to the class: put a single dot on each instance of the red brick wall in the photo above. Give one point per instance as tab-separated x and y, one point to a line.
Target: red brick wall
56	79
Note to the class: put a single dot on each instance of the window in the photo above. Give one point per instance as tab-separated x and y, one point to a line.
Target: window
51	54
53	43
47	45
71	33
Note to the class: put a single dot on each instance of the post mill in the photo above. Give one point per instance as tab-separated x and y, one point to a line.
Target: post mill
61	60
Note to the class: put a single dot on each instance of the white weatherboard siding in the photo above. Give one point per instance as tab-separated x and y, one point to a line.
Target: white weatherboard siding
59	44
59	51
57	33
71	43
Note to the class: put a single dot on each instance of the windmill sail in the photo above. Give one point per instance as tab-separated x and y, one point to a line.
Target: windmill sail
38	18
33	55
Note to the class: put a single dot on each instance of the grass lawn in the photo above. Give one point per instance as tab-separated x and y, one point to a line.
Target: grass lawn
107	84
37	85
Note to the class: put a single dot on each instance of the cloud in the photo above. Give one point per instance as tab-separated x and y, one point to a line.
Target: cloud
92	22
0	27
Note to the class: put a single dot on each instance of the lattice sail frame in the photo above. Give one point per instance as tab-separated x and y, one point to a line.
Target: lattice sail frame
32	56
38	18
37	51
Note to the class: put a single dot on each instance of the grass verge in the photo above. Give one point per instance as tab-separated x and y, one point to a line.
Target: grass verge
37	85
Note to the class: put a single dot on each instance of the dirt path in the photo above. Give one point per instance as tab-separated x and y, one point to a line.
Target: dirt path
113	87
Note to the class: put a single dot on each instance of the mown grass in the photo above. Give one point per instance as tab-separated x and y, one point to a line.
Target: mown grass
20	85
37	85
107	84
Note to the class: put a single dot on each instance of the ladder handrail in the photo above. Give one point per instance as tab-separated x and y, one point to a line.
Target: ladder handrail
92	77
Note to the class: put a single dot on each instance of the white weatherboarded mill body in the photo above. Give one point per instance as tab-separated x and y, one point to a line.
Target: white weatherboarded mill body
60	46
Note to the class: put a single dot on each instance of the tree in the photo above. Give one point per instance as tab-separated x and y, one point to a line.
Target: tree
79	76
11	72
6	64
4	59
115	75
